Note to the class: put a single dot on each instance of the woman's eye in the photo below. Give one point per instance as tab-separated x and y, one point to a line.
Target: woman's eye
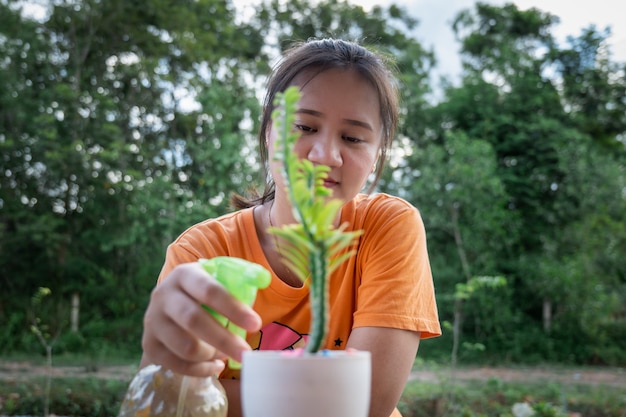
305	128
352	140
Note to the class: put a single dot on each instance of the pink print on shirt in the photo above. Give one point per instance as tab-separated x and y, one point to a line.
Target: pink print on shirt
277	336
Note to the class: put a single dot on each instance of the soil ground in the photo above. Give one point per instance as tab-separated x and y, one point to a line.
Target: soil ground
591	376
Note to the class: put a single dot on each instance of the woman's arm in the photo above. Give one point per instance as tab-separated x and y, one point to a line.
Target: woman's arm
393	353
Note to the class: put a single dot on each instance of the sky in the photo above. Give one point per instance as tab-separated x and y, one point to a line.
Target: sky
435	23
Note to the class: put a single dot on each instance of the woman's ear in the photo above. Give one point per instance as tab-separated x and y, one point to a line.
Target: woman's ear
375	166
268	132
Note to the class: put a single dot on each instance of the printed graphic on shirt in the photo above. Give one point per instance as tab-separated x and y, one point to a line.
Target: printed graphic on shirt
277	336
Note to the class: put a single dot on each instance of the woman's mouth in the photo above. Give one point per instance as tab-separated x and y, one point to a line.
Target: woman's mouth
330	183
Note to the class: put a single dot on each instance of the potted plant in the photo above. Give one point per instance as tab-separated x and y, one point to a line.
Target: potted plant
318	383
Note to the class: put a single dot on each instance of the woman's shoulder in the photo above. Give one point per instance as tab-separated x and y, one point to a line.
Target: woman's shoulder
381	203
382	211
223	225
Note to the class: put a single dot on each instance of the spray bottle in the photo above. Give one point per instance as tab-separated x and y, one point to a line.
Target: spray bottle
159	392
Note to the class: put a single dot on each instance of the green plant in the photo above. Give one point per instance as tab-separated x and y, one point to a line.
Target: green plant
545	409
476	397
314	246
45	337
69	396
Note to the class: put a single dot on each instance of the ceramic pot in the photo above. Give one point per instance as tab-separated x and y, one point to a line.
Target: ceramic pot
287	384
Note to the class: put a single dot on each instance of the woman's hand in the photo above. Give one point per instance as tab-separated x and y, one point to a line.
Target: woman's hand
180	335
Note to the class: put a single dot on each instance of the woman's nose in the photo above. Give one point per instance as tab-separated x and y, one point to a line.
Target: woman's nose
325	151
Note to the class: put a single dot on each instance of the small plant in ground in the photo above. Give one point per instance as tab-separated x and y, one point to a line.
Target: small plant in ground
511	399
545	409
85	397
540	409
43	333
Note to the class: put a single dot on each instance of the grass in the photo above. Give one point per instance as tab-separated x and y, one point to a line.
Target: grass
75	389
88	396
113	358
494	397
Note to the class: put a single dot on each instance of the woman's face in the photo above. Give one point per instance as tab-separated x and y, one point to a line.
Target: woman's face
339	121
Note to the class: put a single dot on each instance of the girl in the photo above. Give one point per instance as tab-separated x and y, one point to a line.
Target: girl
382	298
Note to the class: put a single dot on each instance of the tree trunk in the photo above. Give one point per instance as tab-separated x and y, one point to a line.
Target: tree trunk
547	315
458	303
75	311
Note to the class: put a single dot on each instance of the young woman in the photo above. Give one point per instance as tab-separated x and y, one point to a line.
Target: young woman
382	299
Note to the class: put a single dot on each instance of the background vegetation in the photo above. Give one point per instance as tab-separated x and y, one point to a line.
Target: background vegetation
122	123
95	397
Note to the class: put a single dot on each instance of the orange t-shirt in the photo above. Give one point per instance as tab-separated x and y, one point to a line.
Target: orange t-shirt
387	283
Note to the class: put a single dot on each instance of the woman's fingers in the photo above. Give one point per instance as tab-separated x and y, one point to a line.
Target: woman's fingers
163	355
201	286
181	335
197	336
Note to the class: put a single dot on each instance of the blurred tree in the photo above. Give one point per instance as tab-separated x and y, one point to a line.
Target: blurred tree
593	87
387	30
122	123
515	98
99	142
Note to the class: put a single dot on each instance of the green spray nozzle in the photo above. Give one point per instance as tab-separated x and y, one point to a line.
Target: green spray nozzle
242	279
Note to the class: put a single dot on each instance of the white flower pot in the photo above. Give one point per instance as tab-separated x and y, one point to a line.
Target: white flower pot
286	384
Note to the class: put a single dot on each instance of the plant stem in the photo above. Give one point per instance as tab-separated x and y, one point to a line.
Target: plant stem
46	404
318	264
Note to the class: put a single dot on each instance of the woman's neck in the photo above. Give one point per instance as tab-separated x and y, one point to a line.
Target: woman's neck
265	217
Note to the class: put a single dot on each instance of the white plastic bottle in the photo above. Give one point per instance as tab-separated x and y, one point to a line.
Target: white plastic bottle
159	392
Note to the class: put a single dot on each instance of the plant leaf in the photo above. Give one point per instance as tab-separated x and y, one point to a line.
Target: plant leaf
313	247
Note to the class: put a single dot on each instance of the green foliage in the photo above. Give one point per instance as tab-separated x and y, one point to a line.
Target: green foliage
518	170
89	396
547	181
314	246
85	397
495	397
94	179
45	336
45	332
465	291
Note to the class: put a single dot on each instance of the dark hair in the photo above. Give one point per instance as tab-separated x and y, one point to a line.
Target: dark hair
324	54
